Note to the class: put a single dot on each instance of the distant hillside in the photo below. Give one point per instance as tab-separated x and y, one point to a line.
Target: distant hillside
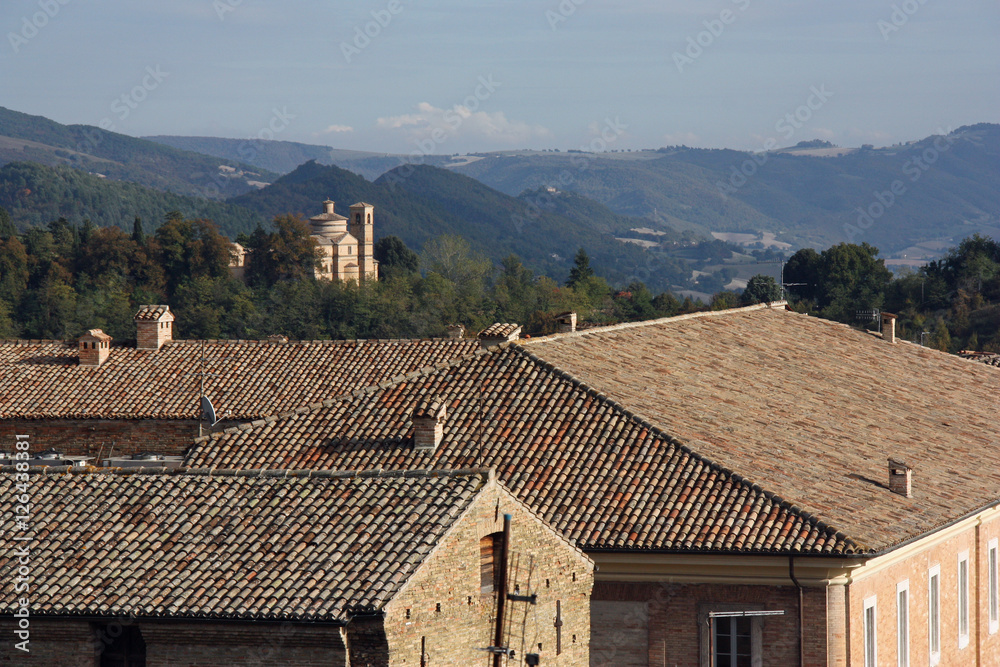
806	200
34	194
122	158
284	156
420	203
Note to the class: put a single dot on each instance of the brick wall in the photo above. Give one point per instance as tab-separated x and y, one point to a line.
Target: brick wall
443	605
72	643
88	436
983	648
677	629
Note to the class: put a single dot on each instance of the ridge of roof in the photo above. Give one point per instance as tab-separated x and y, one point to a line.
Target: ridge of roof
357	393
660	320
687	449
24	342
307	473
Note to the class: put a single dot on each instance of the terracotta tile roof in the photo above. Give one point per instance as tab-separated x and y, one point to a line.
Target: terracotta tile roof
155	313
227	544
499	330
96	334
252	379
602	477
808	409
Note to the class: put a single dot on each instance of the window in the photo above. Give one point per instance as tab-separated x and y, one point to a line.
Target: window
963	599
733	642
871	641
120	646
489	557
934	613
994	594
903	624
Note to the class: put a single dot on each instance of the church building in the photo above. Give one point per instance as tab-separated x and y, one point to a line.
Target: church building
345	244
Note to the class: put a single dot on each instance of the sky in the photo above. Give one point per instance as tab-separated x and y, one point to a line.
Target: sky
443	76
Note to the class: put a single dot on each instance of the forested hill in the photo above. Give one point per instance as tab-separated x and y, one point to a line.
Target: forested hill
949	188
35	195
420	203
119	157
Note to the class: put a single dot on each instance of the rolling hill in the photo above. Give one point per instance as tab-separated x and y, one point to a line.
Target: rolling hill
122	158
420	203
34	194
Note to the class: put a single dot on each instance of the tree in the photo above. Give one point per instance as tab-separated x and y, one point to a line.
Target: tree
288	253
851	279
7	228
394	258
803	268
581	270
761	289
187	249
138	233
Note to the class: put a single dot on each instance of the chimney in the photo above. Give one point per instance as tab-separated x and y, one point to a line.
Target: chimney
95	346
428	424
456	331
154	326
566	322
496	334
900	478
889	327
277	338
328	206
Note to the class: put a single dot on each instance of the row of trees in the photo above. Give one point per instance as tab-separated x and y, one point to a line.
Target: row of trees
59	280
951	304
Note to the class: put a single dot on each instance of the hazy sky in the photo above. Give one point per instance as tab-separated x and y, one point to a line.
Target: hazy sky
446	76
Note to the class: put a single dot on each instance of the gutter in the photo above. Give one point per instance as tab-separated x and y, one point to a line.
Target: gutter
802	647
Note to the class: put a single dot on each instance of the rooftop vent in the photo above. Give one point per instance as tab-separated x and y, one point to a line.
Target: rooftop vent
153	327
95	346
889	327
49	457
566	322
900	478
456	331
428	424
144	460
499	333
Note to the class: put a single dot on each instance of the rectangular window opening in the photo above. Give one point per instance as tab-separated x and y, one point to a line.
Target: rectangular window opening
963	599
870	638
903	624
934	613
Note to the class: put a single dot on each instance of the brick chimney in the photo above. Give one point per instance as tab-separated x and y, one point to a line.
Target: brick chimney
498	333
566	322
456	331
889	327
428	424
95	346
900	478
154	326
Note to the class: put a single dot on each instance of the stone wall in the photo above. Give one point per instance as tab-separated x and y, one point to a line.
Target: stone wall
442	611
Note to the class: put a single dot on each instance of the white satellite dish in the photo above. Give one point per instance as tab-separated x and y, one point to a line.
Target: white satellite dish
207	410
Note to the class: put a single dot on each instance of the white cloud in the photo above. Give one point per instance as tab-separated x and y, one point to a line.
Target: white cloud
681	139
460	124
335	129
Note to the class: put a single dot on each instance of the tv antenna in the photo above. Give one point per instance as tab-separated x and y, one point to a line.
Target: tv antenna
207	409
